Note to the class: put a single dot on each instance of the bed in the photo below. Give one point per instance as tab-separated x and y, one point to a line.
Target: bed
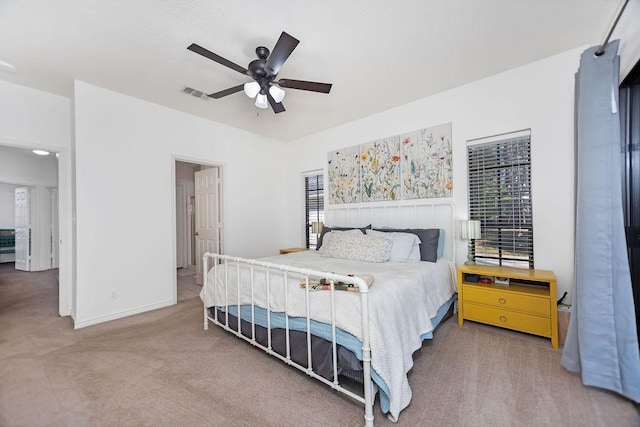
337	316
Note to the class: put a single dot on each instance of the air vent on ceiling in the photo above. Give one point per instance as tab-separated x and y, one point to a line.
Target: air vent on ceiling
195	92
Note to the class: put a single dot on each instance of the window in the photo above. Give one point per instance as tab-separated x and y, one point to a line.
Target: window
314	205
500	198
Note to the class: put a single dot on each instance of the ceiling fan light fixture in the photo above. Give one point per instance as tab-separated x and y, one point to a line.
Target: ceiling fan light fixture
261	101
277	93
251	89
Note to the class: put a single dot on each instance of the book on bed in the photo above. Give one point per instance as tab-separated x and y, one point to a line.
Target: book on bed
321	284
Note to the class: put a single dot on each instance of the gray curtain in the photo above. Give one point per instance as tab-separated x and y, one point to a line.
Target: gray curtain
601	342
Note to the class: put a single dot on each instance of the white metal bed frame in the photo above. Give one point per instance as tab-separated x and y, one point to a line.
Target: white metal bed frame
441	214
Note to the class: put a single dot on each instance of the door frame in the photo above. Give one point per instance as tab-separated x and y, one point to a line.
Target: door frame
181	196
66	225
174	220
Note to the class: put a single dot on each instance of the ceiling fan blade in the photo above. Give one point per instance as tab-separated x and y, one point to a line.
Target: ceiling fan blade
281	51
217	58
226	92
303	85
276	106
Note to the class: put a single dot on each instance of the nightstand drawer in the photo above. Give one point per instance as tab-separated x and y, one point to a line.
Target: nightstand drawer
508	319
504	299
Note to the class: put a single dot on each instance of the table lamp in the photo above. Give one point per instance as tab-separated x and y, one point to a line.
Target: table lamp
470	230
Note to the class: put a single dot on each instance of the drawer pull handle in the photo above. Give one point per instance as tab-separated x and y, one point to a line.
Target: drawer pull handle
503	318
501	300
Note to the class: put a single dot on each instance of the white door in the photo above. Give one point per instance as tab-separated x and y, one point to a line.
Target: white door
207	215
181	226
191	229
23	229
54	237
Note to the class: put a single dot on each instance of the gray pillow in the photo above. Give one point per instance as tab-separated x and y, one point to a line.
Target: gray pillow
429	238
326	229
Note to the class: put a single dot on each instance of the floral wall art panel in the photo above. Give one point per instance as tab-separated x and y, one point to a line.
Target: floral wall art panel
343	171
426	163
380	169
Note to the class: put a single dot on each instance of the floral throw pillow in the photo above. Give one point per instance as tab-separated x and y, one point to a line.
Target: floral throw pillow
355	247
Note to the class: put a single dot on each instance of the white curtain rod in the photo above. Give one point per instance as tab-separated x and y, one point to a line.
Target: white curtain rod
603	46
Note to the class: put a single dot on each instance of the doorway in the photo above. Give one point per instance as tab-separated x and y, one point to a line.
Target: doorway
29	207
198	222
41	178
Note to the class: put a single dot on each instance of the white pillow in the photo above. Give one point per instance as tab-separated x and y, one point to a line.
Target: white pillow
357	247
406	246
414	256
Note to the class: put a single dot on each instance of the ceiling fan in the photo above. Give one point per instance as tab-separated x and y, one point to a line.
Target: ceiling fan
265	87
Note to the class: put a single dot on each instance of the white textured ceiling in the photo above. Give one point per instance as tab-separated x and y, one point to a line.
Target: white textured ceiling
378	54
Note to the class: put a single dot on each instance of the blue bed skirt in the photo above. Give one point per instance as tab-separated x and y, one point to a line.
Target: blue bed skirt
323	330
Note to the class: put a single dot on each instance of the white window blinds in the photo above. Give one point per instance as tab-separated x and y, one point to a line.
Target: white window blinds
500	198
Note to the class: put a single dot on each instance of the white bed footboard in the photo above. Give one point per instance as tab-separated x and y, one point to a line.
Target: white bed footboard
230	275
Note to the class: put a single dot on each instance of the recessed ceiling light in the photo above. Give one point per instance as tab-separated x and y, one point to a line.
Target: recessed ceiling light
41	152
5	66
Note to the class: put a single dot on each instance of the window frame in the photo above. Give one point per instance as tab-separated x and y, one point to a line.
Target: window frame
314	204
500	197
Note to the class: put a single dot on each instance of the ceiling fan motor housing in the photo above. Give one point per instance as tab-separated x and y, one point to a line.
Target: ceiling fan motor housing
257	70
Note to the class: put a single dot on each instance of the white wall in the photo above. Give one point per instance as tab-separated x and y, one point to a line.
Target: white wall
27	168
35	119
125	190
537	96
32	118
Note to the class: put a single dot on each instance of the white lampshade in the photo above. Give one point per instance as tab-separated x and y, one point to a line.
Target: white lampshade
277	93
316	227
470	229
261	101
251	89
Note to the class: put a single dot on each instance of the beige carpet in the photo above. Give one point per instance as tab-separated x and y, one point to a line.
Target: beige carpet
161	369
187	286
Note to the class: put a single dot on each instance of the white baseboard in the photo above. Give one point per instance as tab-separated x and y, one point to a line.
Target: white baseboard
121	314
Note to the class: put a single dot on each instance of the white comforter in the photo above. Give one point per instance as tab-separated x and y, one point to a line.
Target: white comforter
402	300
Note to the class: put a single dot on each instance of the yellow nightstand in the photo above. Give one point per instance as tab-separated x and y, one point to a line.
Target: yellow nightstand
290	250
526	304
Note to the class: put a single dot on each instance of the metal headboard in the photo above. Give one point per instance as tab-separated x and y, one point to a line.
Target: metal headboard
426	213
